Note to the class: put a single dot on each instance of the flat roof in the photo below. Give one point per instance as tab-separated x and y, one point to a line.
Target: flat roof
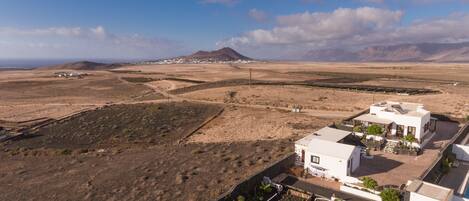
326	133
328	148
430	190
403	108
373	119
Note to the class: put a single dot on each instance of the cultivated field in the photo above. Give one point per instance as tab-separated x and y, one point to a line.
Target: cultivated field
187	132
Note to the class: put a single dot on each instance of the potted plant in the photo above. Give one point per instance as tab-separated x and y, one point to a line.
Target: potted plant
389	195
369	183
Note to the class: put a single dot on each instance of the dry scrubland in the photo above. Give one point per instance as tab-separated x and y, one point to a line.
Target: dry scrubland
132	140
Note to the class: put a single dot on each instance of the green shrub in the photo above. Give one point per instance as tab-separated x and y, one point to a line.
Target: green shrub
389	195
374	130
445	166
409	138
369	182
240	198
357	129
467	118
451	157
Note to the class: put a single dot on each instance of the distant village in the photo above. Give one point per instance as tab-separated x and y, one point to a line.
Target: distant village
193	61
65	74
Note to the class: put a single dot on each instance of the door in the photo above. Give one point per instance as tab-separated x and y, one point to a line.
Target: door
302	155
349	167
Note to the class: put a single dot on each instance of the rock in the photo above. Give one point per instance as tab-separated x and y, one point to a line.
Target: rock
180	178
201	188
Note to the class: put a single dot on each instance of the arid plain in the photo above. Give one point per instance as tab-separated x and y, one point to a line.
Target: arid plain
170	132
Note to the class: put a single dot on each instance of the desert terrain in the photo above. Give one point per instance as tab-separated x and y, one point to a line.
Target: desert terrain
187	131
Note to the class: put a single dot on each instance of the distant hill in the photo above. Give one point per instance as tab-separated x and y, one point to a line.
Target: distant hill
84	65
426	52
224	54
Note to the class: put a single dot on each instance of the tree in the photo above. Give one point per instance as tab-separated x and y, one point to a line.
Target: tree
369	182
389	195
374	130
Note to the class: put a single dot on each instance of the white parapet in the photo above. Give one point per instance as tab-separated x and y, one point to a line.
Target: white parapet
461	151
360	193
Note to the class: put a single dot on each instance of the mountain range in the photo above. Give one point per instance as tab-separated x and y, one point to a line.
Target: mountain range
418	52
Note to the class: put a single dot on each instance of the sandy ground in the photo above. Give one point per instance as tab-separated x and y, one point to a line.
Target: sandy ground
255	129
35	111
453	101
38	94
248	124
166	85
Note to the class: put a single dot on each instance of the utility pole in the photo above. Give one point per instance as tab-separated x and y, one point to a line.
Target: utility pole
250	77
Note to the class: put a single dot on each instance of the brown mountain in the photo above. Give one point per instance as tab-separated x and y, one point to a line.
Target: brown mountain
429	52
223	54
84	65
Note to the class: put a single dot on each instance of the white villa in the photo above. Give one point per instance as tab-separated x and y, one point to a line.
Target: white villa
325	154
399	119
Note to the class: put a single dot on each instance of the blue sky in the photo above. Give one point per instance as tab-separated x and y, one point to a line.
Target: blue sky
260	28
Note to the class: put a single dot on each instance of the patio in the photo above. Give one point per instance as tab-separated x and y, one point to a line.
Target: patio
392	169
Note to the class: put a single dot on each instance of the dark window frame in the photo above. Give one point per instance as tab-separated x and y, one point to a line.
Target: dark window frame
313	157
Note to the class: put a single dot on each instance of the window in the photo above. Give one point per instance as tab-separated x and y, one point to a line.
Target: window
411	130
315	159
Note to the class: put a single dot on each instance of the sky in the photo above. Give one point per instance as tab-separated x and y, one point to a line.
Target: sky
268	29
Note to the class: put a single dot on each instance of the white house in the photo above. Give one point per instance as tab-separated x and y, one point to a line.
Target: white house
324	154
423	191
399	119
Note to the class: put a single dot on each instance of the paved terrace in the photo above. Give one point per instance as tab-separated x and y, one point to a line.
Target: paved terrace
391	169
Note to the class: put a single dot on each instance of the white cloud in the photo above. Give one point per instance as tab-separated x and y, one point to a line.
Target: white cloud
258	15
347	28
78	42
99	32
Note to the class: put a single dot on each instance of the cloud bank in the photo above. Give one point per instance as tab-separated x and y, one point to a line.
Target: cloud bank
79	42
346	28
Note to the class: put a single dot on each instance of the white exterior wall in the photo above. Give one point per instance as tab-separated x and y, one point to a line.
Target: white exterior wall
356	158
461	151
406	120
417	197
298	149
335	167
363	194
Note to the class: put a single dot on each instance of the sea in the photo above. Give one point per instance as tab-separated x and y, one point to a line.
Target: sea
7	64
